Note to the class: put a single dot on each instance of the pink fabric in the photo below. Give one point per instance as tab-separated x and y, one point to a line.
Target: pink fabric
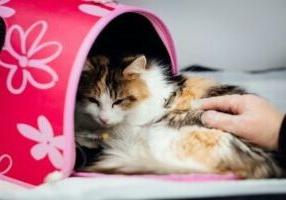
170	177
40	65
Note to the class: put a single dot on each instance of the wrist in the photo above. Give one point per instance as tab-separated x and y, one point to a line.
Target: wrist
282	137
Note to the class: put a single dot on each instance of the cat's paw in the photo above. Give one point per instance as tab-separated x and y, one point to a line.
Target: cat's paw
87	139
104	165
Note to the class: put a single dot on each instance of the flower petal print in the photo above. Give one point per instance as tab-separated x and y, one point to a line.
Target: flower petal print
25	56
5	11
47	144
8	159
95	10
100	1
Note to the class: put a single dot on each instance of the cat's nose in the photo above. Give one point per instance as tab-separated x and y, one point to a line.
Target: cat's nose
104	120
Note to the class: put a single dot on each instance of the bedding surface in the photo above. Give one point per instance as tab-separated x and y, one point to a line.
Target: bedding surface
269	84
140	188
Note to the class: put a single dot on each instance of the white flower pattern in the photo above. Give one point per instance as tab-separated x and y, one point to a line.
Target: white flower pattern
91	7
8	162
27	57
5	11
47	144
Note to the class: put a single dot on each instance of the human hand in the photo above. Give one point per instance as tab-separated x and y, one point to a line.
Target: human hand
248	116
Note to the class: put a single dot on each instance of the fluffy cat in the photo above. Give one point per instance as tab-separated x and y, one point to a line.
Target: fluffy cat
152	127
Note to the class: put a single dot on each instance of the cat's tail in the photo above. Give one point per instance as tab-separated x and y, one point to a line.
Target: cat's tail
254	162
222	152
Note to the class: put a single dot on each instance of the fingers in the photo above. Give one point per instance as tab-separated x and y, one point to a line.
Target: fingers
212	117
221	121
228	103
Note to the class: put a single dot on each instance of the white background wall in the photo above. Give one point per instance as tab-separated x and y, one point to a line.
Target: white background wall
233	34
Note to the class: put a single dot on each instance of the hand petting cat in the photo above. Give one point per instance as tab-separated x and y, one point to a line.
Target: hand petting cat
248	116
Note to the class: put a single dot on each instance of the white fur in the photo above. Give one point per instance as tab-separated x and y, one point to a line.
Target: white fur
152	108
111	114
148	149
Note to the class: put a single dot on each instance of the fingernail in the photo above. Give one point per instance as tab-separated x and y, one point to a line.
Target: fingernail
204	118
208	116
196	104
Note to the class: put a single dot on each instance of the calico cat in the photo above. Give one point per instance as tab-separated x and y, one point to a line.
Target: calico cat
152	127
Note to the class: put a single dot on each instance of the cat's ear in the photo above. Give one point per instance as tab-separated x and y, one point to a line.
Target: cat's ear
135	68
87	66
98	62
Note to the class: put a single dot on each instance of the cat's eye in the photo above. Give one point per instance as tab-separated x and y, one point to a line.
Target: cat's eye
127	99
94	100
117	102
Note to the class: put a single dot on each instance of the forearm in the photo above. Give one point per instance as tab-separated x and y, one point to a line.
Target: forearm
282	136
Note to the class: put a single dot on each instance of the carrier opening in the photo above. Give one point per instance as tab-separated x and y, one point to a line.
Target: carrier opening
130	34
127	34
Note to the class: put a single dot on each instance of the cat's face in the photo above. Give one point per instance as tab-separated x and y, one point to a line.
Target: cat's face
108	94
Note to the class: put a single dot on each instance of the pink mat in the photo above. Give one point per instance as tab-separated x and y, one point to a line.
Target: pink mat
169	177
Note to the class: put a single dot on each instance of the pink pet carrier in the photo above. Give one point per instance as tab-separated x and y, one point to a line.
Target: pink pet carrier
46	44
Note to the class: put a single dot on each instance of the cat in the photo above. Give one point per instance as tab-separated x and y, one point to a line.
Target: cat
152	127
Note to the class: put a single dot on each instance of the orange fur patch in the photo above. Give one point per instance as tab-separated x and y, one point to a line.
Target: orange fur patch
136	88
200	145
194	88
203	145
